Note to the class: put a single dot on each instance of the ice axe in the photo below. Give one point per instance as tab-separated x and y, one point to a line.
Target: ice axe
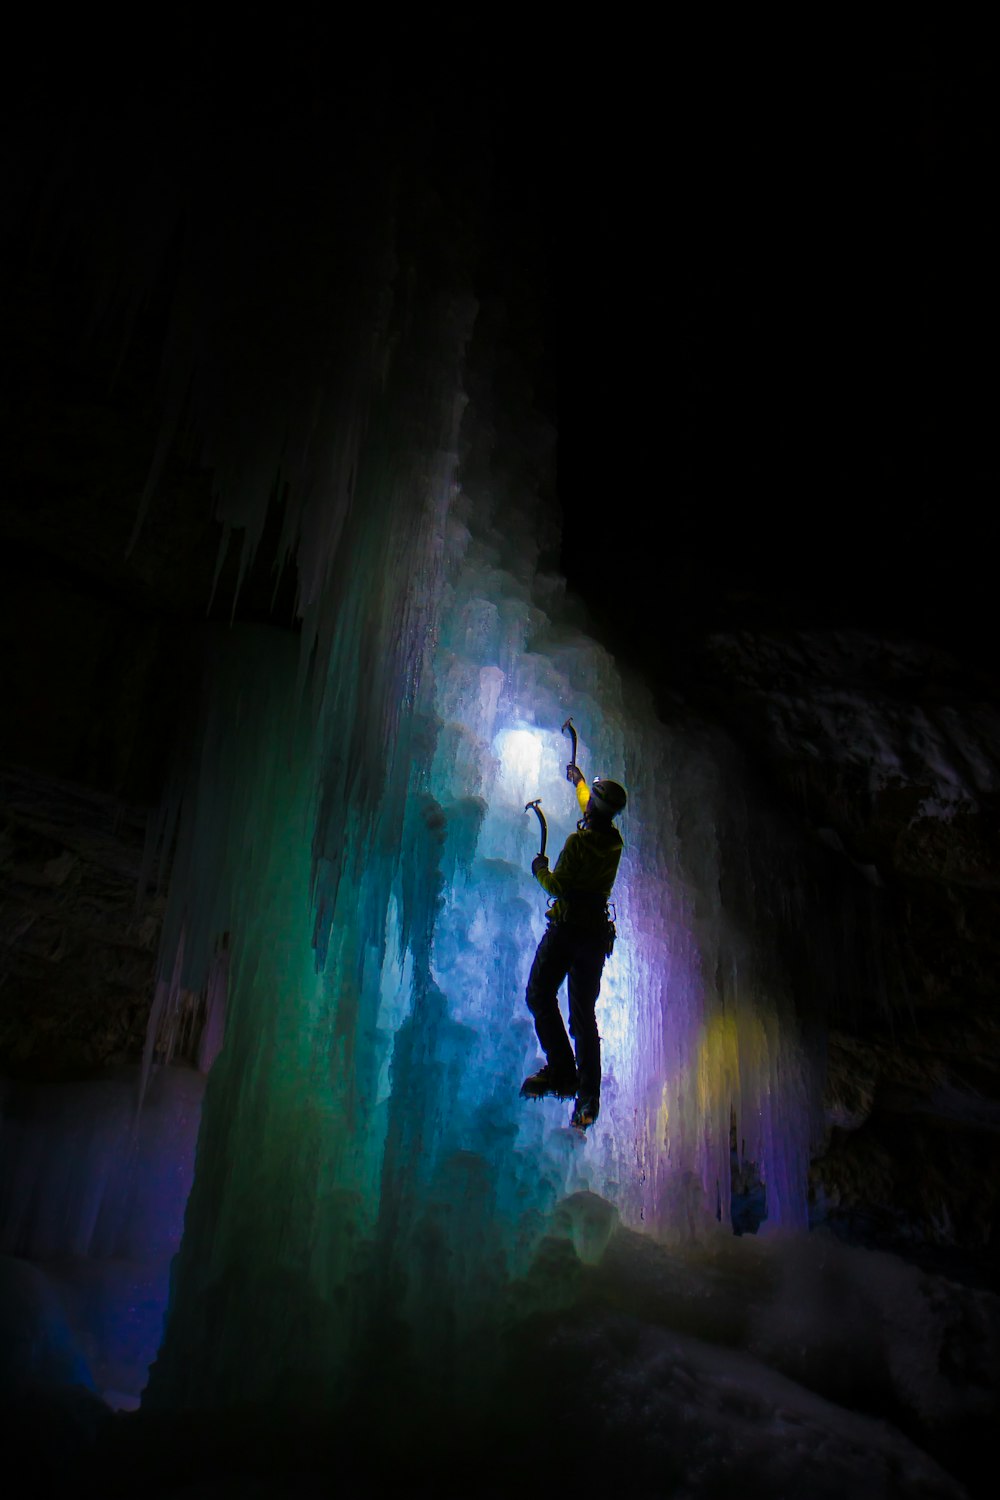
570	729
537	805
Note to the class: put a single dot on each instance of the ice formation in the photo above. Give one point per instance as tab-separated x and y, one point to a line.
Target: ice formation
92	1200
352	834
350	923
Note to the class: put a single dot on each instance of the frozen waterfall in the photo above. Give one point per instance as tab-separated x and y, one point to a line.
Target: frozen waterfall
307	286
352	833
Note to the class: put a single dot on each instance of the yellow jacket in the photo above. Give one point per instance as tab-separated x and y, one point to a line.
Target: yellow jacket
586	867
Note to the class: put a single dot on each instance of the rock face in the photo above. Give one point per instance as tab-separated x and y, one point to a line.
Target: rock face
888	752
81	922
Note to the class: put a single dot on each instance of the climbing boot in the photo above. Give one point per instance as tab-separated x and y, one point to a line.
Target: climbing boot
548	1082
585	1112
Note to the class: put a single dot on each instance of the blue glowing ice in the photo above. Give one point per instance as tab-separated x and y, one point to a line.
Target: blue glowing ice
354	820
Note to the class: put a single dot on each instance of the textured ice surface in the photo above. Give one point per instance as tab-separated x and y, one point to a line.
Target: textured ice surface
92	1200
374	1209
352	825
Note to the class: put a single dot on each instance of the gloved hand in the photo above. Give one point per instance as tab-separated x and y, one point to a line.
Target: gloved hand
540	862
574	774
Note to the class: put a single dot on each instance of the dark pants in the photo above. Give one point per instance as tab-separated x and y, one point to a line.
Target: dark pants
580	954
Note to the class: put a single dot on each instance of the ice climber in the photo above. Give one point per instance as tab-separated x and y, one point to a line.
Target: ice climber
578	939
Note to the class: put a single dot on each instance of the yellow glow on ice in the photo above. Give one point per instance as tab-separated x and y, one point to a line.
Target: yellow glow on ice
718	1064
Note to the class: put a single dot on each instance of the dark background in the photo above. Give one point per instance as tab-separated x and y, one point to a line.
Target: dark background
782	390
748	272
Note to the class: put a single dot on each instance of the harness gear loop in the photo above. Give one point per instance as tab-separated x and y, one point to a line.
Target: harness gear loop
584	909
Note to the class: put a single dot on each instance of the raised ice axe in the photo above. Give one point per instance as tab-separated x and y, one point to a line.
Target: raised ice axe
570	729
537	805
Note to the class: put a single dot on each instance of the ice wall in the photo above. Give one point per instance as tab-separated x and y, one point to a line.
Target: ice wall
92	1200
351	826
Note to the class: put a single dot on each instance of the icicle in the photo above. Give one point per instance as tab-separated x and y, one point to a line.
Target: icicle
214	1023
163	1018
354	818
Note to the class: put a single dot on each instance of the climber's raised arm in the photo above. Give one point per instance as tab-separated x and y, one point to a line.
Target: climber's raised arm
576	776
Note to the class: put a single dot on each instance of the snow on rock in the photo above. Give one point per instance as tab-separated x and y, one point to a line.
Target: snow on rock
870	704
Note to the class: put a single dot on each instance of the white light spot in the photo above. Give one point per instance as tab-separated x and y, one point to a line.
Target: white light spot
520	752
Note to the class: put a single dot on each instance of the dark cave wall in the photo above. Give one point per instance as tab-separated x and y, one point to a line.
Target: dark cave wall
887	753
81	922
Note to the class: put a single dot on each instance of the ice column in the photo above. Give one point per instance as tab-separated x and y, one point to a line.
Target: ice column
368	1181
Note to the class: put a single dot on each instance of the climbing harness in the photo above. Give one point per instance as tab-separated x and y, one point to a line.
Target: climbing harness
582	909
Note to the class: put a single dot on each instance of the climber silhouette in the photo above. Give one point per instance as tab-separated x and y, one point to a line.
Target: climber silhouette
577	940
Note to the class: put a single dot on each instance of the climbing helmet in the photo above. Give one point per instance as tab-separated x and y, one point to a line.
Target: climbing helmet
608	796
